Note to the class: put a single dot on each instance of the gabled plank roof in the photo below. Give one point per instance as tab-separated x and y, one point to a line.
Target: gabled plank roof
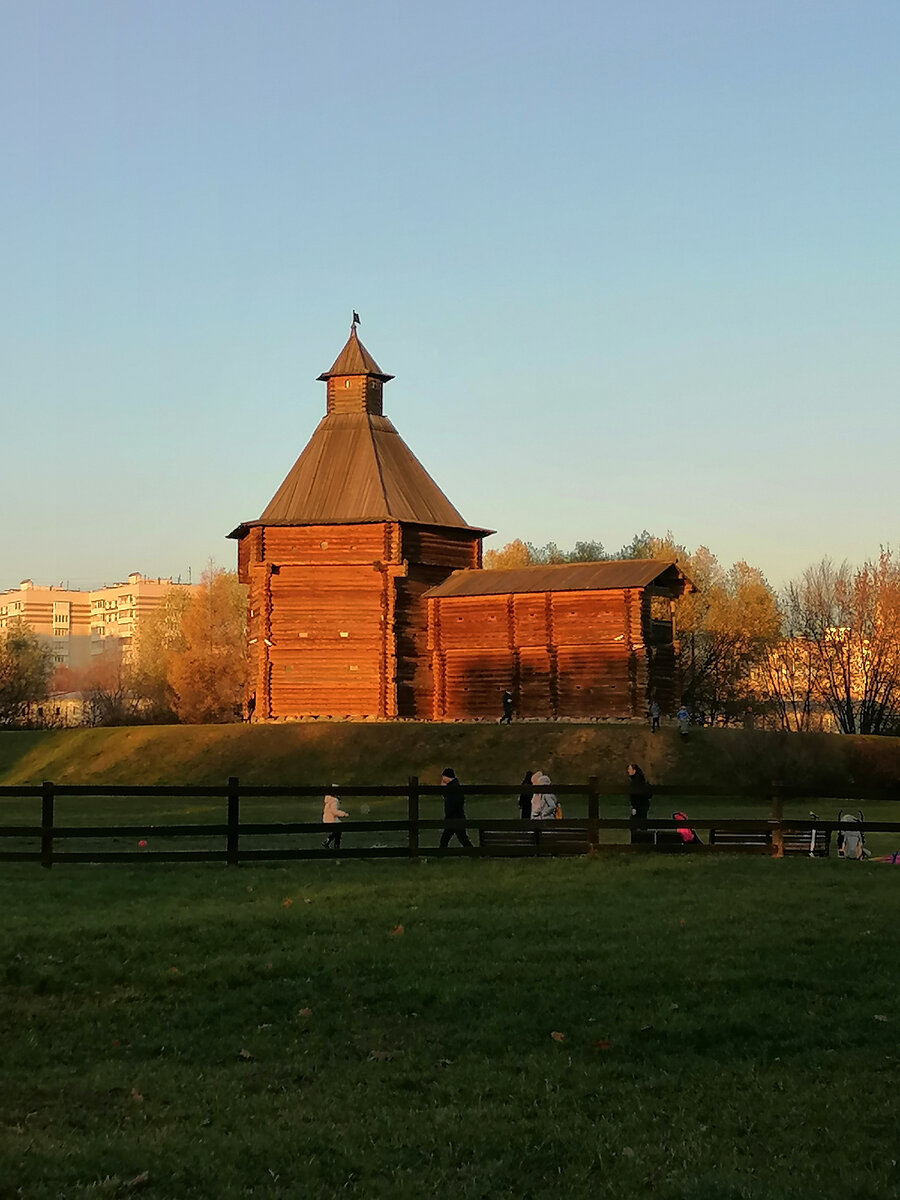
357	468
566	577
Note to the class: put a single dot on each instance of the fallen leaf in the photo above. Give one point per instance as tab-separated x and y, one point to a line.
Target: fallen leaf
136	1096
287	903
173	970
627	1152
557	1036
139	1180
381	1055
674	1007
268	966
880	1017
445	1062
245	1054
601	1044
307	900
305	1012
681	923
645	1028
397	931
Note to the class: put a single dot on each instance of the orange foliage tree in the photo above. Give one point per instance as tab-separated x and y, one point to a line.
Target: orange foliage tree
207	669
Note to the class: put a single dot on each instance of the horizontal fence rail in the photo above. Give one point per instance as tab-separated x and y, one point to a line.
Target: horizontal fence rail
497	836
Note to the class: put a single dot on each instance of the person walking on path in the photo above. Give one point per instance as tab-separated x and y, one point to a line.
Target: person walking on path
654	716
683	717
507	702
454	809
543	804
641	796
525	797
331	815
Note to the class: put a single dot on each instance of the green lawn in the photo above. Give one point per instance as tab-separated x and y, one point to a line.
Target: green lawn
728	1029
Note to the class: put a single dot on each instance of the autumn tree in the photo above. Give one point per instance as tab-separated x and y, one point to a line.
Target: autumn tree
513	554
850	620
158	636
26	665
724	629
789	678
106	684
206	672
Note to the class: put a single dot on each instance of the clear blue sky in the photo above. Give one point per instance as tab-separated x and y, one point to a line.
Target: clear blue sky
632	264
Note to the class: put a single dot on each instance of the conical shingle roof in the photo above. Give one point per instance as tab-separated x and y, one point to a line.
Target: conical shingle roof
356	468
355	359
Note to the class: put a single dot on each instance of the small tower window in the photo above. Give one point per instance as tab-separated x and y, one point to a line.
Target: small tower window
346	383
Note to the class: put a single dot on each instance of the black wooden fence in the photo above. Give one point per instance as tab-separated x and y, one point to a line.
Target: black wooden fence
571	835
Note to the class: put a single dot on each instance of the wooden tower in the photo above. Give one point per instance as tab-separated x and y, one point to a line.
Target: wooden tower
338	564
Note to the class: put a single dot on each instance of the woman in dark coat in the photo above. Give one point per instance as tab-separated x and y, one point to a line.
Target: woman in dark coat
525	797
640	803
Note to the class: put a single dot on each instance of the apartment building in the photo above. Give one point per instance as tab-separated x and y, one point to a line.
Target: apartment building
78	625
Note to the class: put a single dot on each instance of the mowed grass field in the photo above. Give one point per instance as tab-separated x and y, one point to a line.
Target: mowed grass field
619	1026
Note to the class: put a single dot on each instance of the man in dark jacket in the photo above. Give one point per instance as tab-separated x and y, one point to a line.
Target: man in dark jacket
454	808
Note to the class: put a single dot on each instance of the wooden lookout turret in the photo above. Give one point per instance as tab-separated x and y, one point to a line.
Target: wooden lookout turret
338	563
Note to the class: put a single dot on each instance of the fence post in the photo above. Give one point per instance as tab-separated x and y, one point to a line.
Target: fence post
47	824
593	813
413	815
776	818
234	822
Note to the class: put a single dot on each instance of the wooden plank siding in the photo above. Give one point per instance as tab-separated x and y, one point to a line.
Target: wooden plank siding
337	621
563	654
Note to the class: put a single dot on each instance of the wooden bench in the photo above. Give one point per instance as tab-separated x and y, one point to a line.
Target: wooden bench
798	841
666	841
753	840
794	841
546	838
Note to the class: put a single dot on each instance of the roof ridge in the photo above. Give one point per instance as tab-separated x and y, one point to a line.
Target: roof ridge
377	458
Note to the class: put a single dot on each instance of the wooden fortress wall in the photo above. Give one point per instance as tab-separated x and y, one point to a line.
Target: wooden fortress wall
562	654
337	623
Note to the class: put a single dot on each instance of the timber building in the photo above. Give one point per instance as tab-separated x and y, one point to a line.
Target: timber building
339	562
367	597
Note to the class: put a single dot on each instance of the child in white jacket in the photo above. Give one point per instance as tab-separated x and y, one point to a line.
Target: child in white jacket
331	815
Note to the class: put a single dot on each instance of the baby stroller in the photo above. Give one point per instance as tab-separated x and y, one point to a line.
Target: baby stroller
688	836
851	842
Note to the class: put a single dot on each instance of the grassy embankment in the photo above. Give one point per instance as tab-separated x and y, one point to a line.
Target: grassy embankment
369	752
728	1030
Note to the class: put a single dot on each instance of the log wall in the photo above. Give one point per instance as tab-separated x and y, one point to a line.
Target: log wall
567	654
337	623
